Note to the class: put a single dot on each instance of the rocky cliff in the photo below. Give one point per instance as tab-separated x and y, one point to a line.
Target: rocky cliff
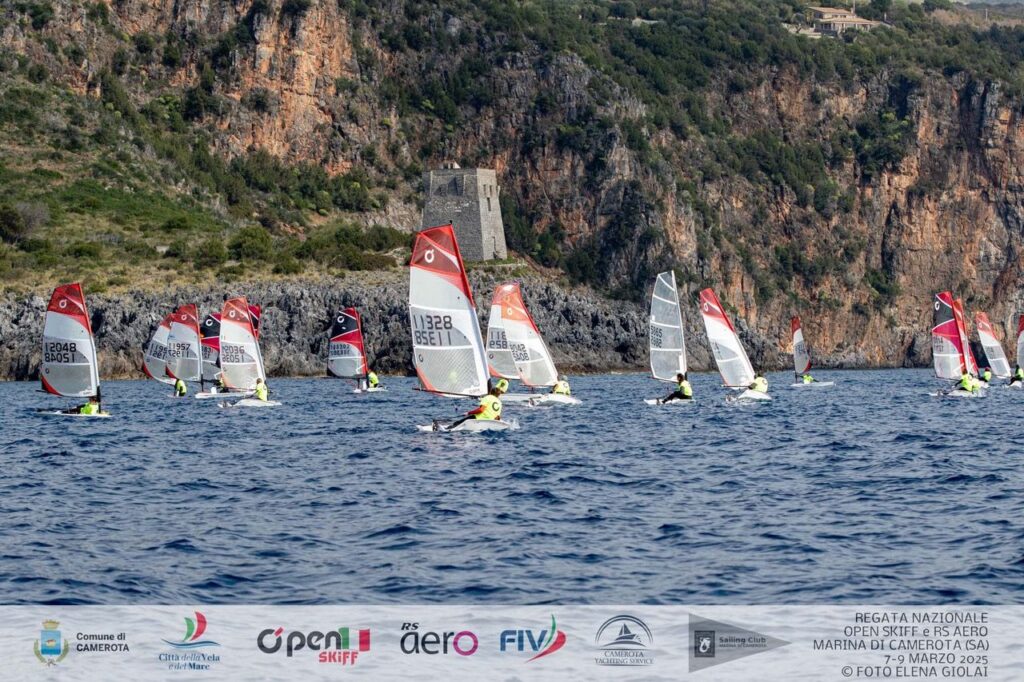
845	181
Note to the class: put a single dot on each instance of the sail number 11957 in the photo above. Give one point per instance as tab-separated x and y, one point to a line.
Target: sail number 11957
432	330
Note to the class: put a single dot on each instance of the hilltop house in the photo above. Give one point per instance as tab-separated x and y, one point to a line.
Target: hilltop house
833	21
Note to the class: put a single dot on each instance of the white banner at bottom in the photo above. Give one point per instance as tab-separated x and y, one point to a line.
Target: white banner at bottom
512	642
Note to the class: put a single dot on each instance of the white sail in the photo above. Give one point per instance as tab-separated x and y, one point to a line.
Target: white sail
529	352
184	355
732	360
499	355
947	344
997	361
69	351
666	339
1020	341
801	356
240	359
448	350
154	359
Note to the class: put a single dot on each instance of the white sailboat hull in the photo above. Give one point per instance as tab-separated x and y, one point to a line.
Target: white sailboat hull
814	384
554	399
677	401
252	402
749	396
376	389
472	425
58	413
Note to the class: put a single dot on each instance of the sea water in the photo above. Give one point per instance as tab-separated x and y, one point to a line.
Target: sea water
867	492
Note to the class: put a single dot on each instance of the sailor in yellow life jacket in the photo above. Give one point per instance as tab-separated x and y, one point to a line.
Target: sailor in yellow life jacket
1018	376
808	379
92	407
261	390
987	375
760	384
180	389
489	407
371	379
968	383
561	387
683	390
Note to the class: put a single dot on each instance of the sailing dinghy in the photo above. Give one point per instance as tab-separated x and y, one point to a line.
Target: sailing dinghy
994	354
154	357
666	340
802	358
184	356
948	341
241	361
530	354
965	340
447	347
346	354
733	363
70	367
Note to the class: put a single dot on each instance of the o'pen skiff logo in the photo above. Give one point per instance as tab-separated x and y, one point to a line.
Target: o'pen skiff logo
49	644
194	629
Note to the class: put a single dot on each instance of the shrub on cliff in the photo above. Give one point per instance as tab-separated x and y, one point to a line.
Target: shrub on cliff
251	244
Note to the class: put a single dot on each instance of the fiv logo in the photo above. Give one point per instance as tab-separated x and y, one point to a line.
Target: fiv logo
539	642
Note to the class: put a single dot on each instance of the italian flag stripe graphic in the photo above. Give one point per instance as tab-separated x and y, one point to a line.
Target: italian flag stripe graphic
346	639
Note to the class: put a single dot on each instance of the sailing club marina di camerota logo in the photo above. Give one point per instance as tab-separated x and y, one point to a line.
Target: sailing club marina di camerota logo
188	652
624	641
341	646
540	643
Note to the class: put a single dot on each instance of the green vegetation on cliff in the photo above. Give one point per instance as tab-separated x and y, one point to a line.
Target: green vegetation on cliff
117	166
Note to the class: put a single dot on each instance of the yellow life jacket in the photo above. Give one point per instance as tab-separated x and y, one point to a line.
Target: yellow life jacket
492	408
760	385
685	388
90	408
562	388
372	378
180	389
808	379
988	376
1019	374
261	392
967	383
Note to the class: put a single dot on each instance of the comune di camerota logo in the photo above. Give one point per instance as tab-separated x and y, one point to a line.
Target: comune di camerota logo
624	641
341	646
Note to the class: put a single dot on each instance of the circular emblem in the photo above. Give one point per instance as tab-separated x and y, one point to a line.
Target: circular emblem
936	305
428	256
341	319
707	307
63	303
232	314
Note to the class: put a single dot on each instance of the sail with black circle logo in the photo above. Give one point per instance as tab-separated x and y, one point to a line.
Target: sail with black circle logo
209	339
448	349
69	366
346	355
947	344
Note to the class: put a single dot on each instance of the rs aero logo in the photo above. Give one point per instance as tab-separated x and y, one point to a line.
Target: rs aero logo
541	643
341	646
413	641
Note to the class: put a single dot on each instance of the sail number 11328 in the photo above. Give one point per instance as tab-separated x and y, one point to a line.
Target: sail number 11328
432	330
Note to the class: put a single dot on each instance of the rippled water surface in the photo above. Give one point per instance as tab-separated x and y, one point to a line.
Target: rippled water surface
870	492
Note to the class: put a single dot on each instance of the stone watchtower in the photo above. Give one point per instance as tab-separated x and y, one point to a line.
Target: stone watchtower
468	199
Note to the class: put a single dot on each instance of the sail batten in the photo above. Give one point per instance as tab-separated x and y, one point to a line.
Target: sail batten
530	354
448	349
666	340
69	365
346	355
731	358
996	358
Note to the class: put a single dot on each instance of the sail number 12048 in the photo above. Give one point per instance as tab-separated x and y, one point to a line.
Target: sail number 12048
432	330
61	352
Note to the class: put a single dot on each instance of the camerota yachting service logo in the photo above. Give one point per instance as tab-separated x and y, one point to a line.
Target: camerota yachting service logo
194	629
623	641
542	643
341	646
49	644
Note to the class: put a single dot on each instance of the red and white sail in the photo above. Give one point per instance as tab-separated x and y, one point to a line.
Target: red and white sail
154	357
447	348
209	340
346	354
965	338
994	353
1020	341
665	336
69	351
240	359
947	342
801	356
184	356
499	355
732	360
529	352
